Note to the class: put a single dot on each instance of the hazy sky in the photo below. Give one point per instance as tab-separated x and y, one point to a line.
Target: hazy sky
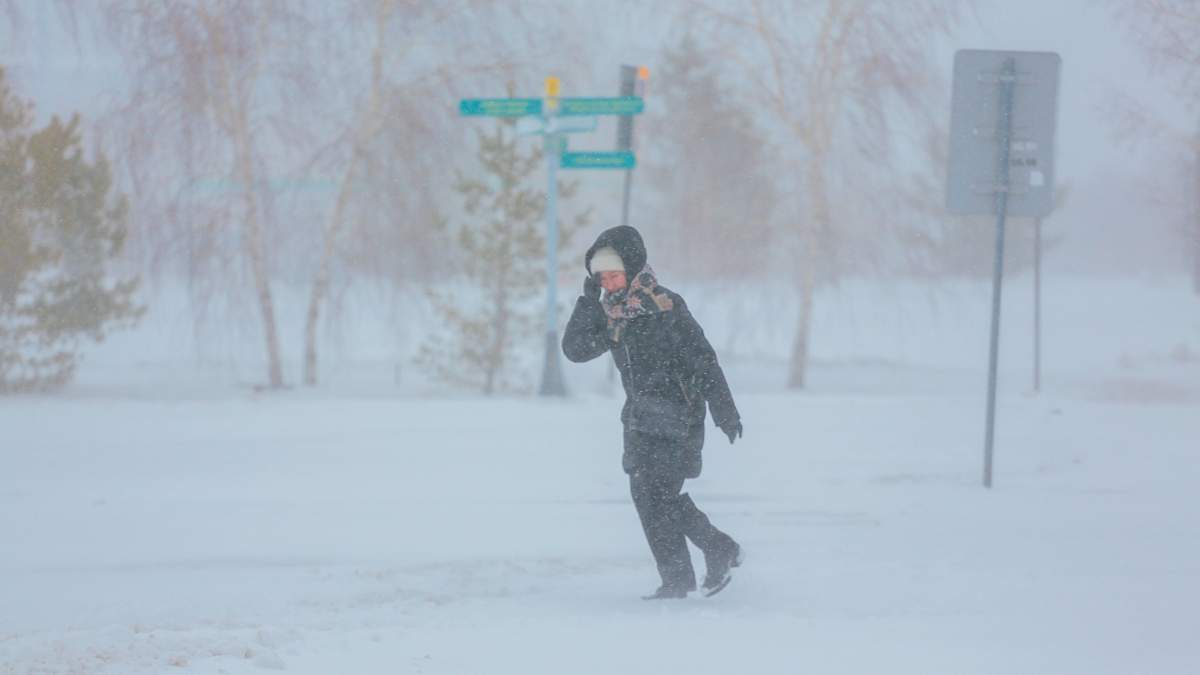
1097	61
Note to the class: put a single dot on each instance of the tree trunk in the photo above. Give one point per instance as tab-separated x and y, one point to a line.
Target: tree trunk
494	359
255	250
320	289
230	102
814	240
367	128
495	356
798	368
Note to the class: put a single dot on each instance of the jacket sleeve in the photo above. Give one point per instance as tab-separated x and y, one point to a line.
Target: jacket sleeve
586	336
700	359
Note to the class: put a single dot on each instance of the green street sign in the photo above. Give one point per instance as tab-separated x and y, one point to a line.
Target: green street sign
598	160
621	105
500	107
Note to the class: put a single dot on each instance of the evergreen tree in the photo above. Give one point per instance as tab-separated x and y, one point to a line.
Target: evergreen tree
60	227
491	312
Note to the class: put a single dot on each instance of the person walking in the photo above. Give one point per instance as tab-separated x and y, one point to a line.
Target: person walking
669	372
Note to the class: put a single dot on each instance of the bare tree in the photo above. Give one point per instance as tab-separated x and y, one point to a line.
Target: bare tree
832	76
391	135
208	102
936	244
365	127
1168	32
709	165
328	118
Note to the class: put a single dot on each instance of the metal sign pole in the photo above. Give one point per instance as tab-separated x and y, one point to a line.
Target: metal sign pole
1001	163
625	196
1037	304
632	84
552	381
1196	229
1008	78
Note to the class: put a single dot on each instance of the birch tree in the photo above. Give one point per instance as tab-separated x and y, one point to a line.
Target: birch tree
709	165
208	101
832	76
394	132
1168	33
364	128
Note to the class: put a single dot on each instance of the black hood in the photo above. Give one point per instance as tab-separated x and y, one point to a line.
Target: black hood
628	244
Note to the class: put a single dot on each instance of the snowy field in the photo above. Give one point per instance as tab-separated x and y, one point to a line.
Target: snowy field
208	529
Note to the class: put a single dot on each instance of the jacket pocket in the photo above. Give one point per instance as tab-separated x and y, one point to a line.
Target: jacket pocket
661	417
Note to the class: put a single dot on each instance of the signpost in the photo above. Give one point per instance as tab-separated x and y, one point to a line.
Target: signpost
500	107
598	160
1196	230
620	105
1002	125
633	83
552	117
1037	304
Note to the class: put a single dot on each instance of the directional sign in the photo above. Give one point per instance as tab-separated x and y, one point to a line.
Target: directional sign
554	118
598	160
620	105
500	107
975	145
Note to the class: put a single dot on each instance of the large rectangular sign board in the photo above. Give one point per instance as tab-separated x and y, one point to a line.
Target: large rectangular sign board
973	172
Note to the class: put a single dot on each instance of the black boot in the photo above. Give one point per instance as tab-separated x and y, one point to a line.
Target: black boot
720	566
670	592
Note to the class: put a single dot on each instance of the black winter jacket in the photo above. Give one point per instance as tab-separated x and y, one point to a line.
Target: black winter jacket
668	369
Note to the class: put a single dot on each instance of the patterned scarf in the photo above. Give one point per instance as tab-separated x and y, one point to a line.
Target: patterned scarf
642	297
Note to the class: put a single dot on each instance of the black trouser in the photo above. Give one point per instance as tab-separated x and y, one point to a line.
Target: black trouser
669	519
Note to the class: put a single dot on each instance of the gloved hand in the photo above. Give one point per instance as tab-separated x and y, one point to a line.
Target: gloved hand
591	287
732	430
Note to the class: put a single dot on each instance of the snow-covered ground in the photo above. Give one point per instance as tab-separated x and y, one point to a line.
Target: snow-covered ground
154	530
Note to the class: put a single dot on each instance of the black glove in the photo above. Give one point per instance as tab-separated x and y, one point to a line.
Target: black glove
591	287
732	430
